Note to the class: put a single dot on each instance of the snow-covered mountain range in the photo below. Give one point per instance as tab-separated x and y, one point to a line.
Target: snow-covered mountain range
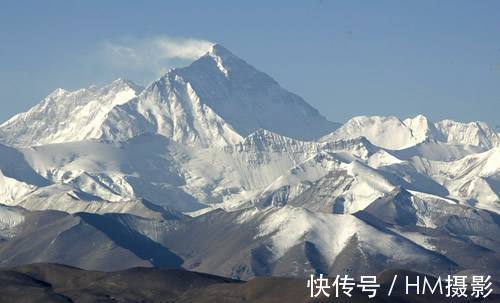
214	167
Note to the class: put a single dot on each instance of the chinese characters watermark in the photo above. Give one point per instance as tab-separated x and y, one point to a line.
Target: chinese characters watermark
450	287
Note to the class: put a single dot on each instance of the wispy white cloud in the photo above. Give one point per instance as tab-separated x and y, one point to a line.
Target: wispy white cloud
155	54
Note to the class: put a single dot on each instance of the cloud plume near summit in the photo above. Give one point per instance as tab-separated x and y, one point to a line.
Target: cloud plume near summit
156	53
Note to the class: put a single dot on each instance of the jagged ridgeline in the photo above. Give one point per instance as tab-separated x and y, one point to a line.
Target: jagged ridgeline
216	168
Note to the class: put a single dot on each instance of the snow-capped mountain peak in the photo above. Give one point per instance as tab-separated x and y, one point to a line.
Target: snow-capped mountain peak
387	132
396	134
243	98
57	93
249	99
221	134
65	116
216	100
123	83
423	129
223	58
472	133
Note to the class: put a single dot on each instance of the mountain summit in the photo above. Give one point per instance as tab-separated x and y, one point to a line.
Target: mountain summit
249	99
65	116
218	99
212	167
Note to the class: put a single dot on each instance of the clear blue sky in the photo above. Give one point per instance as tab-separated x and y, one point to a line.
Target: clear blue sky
439	58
